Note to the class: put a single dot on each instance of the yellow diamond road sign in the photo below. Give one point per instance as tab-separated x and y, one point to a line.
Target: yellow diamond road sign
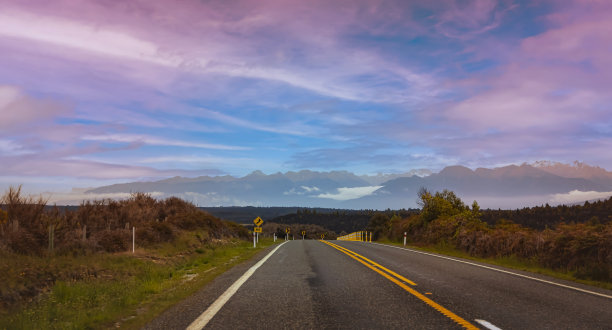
287	230
303	232
257	229
258	222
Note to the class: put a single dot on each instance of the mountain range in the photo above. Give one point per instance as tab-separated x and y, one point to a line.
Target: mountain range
511	186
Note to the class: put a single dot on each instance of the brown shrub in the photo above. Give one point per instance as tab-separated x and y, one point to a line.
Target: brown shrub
25	242
114	240
25	223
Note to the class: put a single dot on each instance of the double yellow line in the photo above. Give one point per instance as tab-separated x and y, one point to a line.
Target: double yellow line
401	281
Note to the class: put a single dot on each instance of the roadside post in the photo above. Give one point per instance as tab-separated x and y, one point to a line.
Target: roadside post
274	237
405	238
303	234
258	222
287	231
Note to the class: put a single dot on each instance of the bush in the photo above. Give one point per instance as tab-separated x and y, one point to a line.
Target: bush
114	240
25	223
583	248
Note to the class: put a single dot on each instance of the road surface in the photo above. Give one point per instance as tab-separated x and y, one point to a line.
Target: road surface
355	285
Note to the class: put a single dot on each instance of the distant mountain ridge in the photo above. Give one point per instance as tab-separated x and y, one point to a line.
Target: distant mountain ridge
505	187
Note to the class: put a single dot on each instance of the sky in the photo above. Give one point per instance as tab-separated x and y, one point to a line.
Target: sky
99	92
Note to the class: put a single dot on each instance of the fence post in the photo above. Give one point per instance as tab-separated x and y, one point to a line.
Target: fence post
51	232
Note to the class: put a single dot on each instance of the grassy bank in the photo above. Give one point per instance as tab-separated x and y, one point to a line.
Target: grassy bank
108	290
511	262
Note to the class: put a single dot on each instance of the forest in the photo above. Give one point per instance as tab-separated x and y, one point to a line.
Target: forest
544	216
339	221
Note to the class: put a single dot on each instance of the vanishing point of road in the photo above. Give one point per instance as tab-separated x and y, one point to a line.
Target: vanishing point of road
309	284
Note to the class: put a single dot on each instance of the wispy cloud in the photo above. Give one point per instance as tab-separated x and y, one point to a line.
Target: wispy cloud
130	138
85	37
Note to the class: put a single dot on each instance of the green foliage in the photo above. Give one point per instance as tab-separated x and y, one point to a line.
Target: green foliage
379	224
440	204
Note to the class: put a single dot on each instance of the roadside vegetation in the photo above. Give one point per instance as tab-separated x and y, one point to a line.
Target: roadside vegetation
76	269
579	251
311	231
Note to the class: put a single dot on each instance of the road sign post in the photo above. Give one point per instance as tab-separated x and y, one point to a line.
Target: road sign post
303	234
258	222
405	238
254	242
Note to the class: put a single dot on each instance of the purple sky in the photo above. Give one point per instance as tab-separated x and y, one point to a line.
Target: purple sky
97	92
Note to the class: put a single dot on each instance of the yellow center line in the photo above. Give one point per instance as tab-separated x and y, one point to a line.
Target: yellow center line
415	293
372	263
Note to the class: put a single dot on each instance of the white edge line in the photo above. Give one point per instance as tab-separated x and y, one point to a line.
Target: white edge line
487	324
501	271
210	312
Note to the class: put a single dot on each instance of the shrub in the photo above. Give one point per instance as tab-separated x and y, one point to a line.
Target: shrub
114	240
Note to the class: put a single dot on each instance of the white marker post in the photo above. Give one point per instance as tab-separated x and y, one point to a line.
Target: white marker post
133	239
254	241
274	237
405	238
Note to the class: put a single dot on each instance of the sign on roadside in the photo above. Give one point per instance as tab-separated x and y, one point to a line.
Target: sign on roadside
287	230
303	232
257	229
258	221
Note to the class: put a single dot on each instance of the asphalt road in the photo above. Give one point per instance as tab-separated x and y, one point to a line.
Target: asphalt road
356	285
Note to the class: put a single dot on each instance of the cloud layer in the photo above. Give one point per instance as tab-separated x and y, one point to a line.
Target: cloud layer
136	90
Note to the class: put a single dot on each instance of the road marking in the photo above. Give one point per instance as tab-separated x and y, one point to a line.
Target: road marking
377	265
487	324
210	312
502	271
415	293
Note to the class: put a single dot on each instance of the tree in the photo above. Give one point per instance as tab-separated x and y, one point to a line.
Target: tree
440	204
379	224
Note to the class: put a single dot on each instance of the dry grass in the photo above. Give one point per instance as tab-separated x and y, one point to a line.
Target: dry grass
41	246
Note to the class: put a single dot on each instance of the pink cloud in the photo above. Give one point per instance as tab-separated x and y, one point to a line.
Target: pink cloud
554	80
19	109
35	166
